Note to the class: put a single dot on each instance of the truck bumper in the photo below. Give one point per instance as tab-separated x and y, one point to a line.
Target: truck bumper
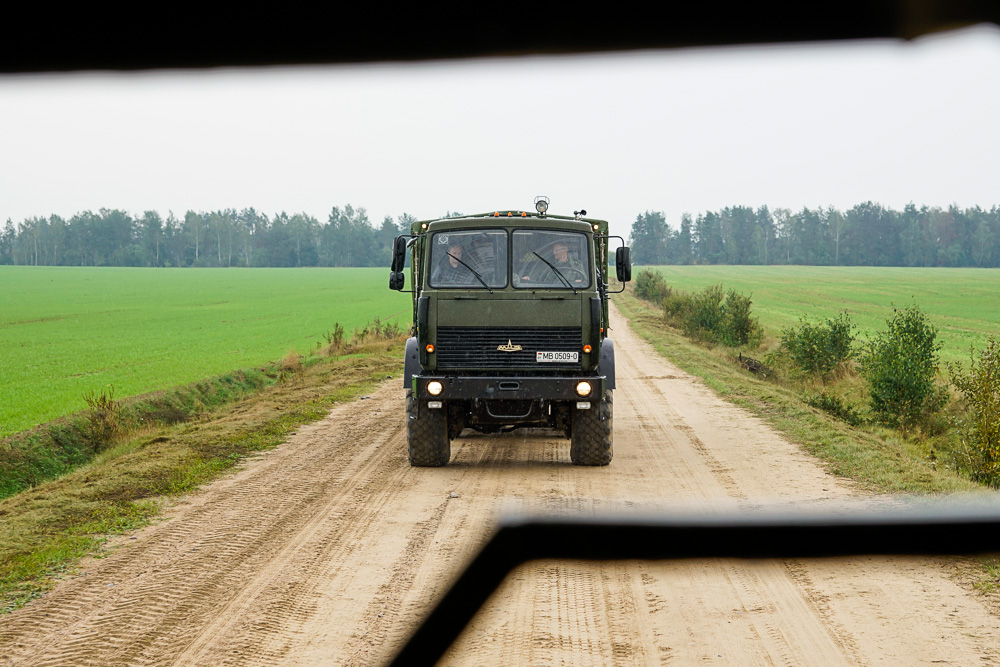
549	388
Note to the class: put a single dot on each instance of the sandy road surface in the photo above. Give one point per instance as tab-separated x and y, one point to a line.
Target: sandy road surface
328	549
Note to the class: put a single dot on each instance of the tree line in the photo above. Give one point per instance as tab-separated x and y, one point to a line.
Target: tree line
868	234
113	237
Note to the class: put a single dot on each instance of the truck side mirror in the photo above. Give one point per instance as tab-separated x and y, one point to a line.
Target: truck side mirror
623	264
398	254
397	280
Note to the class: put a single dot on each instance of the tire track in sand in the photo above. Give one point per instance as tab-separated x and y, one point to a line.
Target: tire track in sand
148	602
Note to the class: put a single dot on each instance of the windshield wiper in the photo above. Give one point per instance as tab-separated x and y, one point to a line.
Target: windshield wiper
557	271
474	272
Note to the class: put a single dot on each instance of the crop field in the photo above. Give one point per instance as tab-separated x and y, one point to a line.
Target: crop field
65	331
964	304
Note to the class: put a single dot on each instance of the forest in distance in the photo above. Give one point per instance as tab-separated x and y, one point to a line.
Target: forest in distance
226	238
867	234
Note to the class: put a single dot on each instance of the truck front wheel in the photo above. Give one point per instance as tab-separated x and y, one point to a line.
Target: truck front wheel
426	434
592	438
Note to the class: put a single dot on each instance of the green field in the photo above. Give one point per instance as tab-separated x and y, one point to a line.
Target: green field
963	303
65	331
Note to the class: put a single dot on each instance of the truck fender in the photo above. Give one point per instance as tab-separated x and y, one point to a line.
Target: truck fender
411	364
606	366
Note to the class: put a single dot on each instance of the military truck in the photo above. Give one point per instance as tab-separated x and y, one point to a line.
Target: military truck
510	329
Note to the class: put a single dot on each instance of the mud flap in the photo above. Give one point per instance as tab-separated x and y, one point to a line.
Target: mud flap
606	366
411	363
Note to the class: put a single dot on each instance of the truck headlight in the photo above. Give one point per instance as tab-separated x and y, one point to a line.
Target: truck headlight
434	388
583	388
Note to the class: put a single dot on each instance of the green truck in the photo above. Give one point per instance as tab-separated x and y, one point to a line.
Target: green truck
510	324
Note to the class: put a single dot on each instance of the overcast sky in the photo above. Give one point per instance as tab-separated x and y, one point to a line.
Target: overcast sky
675	131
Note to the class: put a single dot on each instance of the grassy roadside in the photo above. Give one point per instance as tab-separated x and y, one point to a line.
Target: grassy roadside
51	450
880	461
46	530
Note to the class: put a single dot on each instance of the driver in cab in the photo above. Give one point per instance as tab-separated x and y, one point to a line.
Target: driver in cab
450	270
570	268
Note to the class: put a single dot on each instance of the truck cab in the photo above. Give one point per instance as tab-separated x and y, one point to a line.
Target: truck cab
510	324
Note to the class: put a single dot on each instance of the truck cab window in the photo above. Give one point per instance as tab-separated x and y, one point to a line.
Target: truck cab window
469	259
548	259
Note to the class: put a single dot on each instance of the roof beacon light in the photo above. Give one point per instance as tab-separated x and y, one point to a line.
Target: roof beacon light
541	204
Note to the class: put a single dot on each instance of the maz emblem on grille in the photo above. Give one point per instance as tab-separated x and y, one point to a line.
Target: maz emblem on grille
509	347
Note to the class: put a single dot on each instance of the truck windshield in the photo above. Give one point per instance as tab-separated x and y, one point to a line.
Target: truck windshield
548	259
469	259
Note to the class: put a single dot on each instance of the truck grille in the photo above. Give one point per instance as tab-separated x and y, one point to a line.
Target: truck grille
476	347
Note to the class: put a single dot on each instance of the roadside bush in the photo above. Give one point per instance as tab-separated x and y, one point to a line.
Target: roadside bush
980	431
712	315
675	305
822	347
718	316
377	330
739	327
900	365
104	417
334	339
704	314
652	286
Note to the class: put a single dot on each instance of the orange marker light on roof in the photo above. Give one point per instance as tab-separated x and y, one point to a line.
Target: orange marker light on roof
509	214
523	214
496	214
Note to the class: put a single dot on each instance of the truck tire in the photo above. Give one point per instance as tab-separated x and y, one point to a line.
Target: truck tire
591	443
426	434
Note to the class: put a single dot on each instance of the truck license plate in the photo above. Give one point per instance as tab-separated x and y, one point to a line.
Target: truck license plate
562	357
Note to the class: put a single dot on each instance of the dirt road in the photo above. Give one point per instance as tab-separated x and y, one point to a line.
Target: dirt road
330	548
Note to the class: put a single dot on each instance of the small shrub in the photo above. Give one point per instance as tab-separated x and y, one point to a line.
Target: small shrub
377	330
820	348
334	339
717	316
900	365
980	431
651	286
704	316
675	305
738	326
712	315
103	418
